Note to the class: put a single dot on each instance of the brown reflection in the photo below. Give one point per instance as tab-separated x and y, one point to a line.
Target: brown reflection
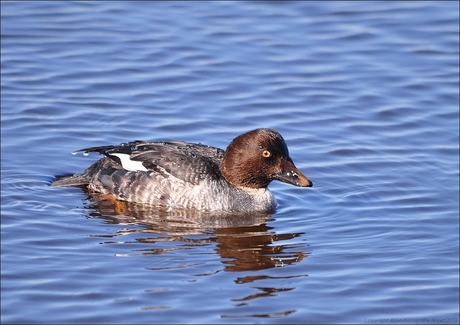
244	241
253	278
268	315
254	248
266	292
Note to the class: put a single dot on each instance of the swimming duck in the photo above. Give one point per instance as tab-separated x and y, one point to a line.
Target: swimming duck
186	175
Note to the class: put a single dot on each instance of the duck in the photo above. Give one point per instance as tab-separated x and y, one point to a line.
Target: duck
183	175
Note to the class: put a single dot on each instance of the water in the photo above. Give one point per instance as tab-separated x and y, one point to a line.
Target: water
365	94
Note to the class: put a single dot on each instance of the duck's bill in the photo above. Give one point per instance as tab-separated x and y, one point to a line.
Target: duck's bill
292	175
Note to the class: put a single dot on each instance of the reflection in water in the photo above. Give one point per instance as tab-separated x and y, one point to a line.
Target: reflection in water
254	248
244	241
266	292
270	315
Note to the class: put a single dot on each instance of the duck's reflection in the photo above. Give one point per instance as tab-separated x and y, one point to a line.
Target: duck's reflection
244	241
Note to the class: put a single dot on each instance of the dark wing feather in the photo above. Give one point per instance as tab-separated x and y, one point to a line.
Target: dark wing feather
126	148
189	162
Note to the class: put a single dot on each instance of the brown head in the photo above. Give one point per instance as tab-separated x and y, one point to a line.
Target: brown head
257	157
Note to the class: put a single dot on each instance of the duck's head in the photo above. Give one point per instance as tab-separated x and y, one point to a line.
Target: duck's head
257	157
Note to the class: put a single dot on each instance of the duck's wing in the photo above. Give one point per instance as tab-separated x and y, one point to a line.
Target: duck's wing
189	162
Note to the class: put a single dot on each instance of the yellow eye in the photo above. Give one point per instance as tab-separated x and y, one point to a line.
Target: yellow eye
266	153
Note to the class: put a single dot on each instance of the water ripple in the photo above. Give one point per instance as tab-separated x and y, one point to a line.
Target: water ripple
365	95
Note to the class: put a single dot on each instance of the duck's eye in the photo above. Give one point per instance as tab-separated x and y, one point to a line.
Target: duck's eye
266	153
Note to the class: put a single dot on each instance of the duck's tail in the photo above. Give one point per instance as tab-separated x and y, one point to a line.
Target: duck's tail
87	176
72	180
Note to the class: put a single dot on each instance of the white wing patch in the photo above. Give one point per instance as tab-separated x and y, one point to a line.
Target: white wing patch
129	164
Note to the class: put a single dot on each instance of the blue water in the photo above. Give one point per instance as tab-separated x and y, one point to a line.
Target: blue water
366	95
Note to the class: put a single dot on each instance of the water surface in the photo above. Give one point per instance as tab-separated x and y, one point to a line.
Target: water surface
365	95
